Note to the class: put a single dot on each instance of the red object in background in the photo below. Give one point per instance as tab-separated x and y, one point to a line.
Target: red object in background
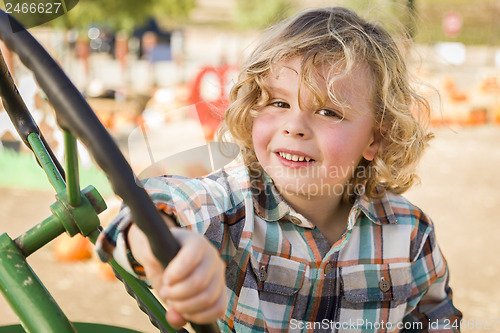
452	23
210	95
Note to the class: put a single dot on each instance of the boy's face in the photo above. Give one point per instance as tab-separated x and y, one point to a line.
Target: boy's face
309	150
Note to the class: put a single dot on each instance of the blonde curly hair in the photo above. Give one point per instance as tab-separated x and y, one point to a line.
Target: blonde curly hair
339	38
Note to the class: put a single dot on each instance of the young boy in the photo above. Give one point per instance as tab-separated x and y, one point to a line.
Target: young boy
311	232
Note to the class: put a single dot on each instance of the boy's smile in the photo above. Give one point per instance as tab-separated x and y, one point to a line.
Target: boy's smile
310	150
294	158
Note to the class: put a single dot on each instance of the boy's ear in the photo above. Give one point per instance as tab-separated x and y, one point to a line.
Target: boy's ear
374	146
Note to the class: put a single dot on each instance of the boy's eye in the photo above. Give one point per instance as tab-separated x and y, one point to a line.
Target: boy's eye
280	105
330	113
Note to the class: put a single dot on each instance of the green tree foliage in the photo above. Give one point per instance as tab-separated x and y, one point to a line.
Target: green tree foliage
258	14
124	14
175	9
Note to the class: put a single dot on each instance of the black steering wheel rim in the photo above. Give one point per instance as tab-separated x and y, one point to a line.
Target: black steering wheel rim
74	114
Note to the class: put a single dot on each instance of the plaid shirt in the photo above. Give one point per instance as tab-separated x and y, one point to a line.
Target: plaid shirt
385	273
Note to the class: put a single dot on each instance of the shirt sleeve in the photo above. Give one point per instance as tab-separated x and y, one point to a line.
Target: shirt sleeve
204	205
432	301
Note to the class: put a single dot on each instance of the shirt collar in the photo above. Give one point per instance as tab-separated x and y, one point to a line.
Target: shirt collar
268	202
271	206
379	211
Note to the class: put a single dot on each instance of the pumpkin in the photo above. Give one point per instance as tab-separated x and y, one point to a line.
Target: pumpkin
105	271
71	249
479	116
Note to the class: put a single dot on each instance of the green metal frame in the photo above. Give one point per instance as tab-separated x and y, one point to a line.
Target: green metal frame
74	212
80	327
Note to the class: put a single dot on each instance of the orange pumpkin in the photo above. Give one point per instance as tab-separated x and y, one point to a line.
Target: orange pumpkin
71	249
105	271
479	116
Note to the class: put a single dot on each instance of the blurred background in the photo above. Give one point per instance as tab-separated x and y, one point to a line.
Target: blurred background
167	66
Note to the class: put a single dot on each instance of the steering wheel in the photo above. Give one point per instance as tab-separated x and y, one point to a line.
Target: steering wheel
74	114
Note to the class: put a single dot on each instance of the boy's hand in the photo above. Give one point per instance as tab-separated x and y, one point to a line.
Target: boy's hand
192	285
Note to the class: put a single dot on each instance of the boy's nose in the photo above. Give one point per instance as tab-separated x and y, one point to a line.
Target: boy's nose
292	132
296	125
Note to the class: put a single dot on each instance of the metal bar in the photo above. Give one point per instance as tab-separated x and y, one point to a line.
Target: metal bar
53	157
82	219
72	176
18	112
14	104
46	163
28	298
154	307
140	290
41	234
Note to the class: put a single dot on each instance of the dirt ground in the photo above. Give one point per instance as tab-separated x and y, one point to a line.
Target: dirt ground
459	190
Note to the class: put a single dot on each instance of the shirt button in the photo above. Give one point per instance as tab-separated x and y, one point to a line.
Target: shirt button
295	220
262	273
328	268
384	285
